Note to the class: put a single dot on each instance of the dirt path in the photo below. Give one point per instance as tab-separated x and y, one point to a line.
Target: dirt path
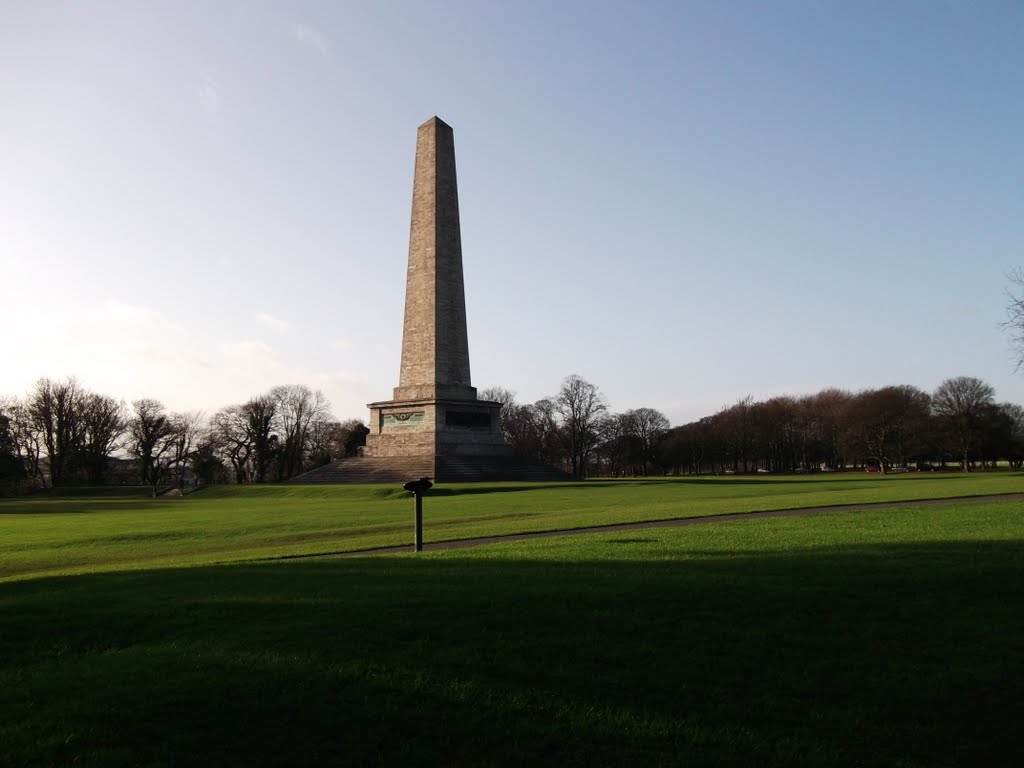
674	523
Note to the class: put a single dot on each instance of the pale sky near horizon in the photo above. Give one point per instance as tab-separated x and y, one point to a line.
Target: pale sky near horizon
683	202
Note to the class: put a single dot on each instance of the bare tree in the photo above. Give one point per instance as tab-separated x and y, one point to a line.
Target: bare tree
233	441
149	431
688	447
1014	323
498	395
619	447
299	408
735	425
103	425
962	403
528	429
55	411
649	427
12	469
24	438
1013	415
183	442
506	416
207	463
261	420
885	421
541	419
580	405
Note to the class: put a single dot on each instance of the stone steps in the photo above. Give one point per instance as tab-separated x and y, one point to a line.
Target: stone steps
482	469
447	469
367	469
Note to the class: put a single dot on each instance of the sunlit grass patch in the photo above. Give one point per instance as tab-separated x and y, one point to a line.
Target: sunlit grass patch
79	531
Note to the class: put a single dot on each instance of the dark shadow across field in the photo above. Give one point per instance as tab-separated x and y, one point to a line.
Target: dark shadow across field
568	485
763	482
906	654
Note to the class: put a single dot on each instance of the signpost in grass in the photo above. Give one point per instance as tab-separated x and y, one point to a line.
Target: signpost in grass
417	487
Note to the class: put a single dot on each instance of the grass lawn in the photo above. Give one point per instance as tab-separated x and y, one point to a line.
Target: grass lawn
121	529
877	638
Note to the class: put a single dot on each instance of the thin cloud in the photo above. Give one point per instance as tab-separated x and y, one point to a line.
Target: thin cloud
271	321
251	351
208	93
131	318
341	345
351	377
310	37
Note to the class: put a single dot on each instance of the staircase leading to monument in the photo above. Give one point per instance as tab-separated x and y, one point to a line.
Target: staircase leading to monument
482	469
369	469
447	469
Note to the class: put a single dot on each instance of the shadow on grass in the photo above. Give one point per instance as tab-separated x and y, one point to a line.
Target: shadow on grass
475	489
765	482
871	655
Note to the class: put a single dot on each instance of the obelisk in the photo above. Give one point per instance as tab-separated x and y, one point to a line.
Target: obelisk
435	343
435	412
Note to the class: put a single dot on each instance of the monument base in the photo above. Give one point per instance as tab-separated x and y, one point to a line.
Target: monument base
435	427
448	440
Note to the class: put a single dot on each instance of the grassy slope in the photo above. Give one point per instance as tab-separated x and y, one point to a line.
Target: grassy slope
126	529
871	638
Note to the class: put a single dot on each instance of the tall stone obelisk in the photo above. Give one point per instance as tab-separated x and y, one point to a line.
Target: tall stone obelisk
435	412
435	344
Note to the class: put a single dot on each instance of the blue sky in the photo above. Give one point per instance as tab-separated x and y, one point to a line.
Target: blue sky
685	203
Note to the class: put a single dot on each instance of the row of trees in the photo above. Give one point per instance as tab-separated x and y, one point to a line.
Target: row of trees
889	427
894	426
279	435
575	430
61	433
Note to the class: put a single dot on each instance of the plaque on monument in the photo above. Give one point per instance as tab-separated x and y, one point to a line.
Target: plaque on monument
401	419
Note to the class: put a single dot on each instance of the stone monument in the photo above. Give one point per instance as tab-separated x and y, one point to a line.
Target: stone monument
434	410
434	425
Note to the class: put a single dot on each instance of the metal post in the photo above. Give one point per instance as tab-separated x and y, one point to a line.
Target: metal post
418	538
416	488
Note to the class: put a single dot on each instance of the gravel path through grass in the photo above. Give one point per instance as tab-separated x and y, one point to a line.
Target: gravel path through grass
672	523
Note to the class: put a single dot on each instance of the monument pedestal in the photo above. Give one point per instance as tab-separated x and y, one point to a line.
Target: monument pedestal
435	427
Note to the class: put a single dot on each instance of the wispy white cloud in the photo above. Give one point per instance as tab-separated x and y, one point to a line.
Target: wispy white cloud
341	345
272	321
250	350
305	35
351	377
209	94
136	319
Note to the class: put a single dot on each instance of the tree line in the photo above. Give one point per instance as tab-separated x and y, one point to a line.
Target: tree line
575	431
895	427
62	434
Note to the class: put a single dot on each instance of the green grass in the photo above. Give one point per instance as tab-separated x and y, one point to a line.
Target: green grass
121	529
876	638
